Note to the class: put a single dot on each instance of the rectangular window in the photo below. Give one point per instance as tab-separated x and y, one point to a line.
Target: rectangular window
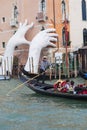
84	10
3	19
3	44
85	40
85	36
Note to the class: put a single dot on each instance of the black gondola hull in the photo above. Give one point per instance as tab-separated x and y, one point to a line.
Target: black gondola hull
47	89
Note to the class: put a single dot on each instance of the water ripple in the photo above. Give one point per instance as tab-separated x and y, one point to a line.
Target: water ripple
26	110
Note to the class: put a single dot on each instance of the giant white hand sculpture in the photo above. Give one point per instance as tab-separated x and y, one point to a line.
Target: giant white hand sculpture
41	40
17	39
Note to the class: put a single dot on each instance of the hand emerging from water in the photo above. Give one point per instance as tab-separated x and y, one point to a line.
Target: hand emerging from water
45	38
41	40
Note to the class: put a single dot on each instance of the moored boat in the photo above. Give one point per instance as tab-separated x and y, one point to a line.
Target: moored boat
83	74
4	77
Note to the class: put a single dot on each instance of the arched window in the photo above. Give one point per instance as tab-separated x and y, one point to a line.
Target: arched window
85	37
83	10
63	37
42	5
3	44
15	11
63	9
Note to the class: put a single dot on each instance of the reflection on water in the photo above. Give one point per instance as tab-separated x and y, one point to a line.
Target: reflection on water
25	110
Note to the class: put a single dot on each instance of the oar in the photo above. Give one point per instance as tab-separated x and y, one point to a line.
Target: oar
19	86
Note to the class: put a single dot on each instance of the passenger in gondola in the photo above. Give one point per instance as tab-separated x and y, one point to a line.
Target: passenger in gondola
59	88
65	86
57	85
44	65
81	89
72	87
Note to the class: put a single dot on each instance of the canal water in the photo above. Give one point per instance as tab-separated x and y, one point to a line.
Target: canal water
23	109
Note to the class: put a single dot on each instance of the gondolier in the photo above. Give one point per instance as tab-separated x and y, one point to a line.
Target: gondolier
44	65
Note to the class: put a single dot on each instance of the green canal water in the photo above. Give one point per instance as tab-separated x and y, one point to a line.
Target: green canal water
25	110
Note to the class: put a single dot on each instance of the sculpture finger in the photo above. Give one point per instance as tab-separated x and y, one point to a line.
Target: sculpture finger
52	44
50	30
53	34
20	24
31	25
53	39
25	23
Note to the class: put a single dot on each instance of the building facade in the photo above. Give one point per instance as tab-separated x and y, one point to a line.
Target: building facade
65	16
78	23
78	30
44	14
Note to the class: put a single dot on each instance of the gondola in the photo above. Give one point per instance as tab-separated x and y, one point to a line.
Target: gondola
28	74
31	75
48	89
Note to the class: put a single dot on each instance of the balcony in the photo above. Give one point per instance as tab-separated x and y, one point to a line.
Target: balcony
13	23
40	17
